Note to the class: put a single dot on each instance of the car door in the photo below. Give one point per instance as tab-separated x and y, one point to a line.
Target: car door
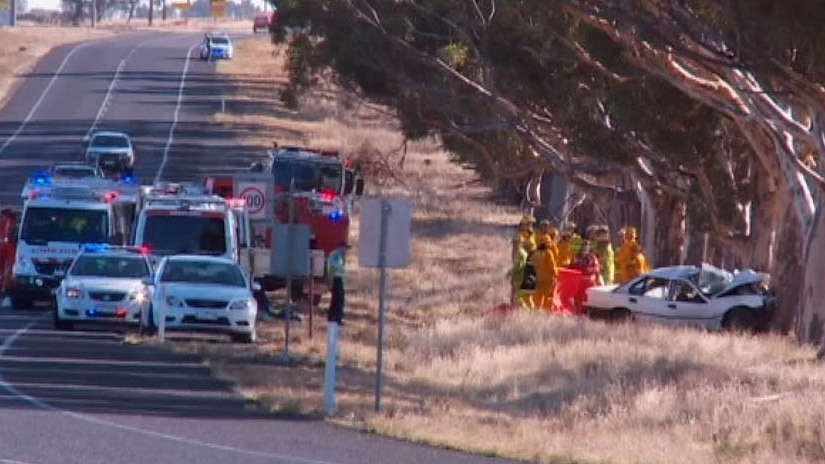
646	297
686	306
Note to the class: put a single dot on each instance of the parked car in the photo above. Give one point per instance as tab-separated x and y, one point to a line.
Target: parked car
260	21
703	296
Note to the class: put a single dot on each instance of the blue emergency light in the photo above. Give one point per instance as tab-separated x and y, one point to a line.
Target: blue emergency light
95	247
42	178
336	215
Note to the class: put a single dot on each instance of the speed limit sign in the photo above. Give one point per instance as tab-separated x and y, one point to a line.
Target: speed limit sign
255	200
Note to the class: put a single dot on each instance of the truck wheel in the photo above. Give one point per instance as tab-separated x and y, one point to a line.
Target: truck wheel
19	301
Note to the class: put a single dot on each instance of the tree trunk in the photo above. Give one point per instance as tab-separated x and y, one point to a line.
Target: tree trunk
812	309
670	230
647	228
786	274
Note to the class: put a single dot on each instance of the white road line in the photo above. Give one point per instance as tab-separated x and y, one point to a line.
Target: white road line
39	101
11	389
176	116
12	461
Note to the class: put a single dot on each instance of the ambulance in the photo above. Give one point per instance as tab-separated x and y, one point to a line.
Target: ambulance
58	219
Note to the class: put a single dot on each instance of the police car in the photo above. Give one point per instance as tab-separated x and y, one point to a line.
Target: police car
75	170
103	284
202	293
216	44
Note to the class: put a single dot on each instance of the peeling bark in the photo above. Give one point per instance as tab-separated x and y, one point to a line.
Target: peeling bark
812	316
671	230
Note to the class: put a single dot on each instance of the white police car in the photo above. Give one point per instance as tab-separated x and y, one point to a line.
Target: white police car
202	293
103	284
216	44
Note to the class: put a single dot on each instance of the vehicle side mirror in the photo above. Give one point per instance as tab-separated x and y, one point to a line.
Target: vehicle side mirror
256	287
359	187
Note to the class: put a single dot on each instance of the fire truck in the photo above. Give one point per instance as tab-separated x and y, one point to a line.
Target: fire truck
323	189
58	218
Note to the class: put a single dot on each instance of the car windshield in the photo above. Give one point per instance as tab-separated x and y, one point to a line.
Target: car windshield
185	234
711	280
202	272
220	40
64	225
116	141
75	172
110	266
308	176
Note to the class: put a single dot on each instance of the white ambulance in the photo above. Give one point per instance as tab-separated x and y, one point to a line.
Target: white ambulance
58	219
174	219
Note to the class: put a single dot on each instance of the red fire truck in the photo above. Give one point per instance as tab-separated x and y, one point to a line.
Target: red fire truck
323	190
9	220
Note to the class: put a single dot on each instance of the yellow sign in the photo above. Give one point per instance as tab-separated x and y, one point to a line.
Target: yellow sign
5	4
217	8
182	5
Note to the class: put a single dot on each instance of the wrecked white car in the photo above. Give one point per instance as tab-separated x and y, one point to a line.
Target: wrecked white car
703	296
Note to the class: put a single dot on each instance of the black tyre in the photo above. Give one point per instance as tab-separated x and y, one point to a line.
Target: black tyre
739	320
245	338
621	315
62	324
21	301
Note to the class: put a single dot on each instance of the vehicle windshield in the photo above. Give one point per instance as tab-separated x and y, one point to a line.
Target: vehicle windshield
75	172
200	272
220	40
711	280
115	141
64	225
110	266
167	235
308	176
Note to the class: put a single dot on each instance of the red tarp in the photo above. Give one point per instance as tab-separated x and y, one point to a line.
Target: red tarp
570	288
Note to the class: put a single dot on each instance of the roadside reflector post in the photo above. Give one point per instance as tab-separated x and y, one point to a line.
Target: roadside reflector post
311	302
162	320
384	242
329	368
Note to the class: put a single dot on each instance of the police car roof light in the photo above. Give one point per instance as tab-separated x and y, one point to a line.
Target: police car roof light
95	247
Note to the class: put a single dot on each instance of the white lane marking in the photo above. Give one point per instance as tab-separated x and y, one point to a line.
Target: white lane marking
176	116
39	101
11	389
104	105
11	461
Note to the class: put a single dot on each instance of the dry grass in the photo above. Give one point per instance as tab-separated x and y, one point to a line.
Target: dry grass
526	385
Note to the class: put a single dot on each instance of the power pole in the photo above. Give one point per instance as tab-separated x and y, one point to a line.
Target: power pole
164	10
151	10
13	14
94	12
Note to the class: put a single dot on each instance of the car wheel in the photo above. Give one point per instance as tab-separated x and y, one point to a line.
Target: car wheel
62	324
245	338
621	315
739	320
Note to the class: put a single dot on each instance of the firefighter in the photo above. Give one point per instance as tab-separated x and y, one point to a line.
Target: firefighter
633	261
554	243
588	263
546	277
575	238
528	283
624	255
516	273
621	236
336	269
525	228
604	250
566	253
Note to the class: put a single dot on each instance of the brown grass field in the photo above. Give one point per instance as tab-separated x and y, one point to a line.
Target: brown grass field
527	385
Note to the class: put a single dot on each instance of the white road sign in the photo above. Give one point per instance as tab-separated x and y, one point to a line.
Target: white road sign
399	228
253	194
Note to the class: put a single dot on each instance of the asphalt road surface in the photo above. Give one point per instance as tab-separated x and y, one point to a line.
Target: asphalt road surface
86	397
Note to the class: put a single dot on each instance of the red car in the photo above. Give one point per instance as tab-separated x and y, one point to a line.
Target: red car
264	21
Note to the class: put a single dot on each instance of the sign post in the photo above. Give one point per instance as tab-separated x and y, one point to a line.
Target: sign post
391	221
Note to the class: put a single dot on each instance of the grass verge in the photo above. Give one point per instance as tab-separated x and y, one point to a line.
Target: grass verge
524	385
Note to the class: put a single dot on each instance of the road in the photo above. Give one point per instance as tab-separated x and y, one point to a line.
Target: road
86	396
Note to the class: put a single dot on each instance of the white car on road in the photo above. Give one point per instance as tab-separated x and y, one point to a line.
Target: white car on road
703	296
219	45
202	293
103	284
112	152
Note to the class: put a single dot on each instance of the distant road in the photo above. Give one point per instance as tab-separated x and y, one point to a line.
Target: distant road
85	397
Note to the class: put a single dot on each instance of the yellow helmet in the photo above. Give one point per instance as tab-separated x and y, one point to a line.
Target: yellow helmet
527	220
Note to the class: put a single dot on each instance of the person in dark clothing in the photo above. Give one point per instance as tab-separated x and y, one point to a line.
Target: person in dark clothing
336	268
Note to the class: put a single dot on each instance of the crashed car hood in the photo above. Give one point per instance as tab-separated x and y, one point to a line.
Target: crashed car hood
748	276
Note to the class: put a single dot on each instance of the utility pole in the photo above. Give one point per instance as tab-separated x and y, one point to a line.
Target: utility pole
13	14
151	10
164	10
290	258
94	12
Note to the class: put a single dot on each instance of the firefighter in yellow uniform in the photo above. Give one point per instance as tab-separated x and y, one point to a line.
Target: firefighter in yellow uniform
575	238
623	256
554	243
604	251
525	228
516	273
528	282
633	260
567	252
546	276
548	235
